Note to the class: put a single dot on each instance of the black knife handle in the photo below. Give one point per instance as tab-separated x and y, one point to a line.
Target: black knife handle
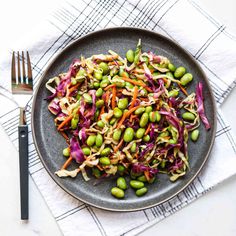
24	181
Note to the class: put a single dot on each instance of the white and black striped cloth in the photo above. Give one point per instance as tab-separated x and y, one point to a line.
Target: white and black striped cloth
181	20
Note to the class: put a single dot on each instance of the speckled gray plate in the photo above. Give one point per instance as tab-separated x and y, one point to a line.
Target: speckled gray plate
49	142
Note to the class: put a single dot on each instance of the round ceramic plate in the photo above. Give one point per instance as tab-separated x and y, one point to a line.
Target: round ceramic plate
49	142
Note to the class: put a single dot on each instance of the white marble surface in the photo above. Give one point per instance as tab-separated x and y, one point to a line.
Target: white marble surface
212	214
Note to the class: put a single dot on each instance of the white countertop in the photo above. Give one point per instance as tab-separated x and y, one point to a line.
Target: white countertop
212	214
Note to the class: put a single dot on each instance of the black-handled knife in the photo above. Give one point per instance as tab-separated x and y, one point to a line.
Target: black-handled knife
23	158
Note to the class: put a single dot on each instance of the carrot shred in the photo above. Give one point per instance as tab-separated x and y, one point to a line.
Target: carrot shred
147	175
65	136
68	161
148	129
134	82
148	89
125	115
68	118
101	112
119	145
134	97
71	89
109	86
113	100
183	89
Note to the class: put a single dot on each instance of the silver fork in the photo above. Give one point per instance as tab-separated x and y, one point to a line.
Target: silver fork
22	87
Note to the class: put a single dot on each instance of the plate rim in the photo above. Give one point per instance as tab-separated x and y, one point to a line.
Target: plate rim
176	44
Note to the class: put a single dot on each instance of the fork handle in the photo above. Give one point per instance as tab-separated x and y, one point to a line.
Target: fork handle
24	181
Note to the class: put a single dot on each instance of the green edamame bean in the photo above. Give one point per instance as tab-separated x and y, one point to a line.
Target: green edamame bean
179	72
188	77
66	152
106	151
96	114
122	72
73	81
104	66
117	192
142	178
133	148
158	116
143	120
163	164
81	72
98	75
117	112
91	140
195	135
128	134
99	92
96	172
120	168
164	134
104	83
96	85
86	151
118	81
136	184
140	132
121	183
146	138
172	141
100	124
188	116
123	103
173	93
104	161
139	111
148	109
99	140
112	121
74	122
99	103
129	85
130	55
171	67
87	98
140	192
117	134
152	116
169	74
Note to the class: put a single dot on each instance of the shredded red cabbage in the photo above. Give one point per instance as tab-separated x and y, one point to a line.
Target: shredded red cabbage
200	109
76	151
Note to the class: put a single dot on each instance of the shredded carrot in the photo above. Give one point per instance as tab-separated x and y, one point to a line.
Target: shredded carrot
132	117
64	135
113	100
148	129
101	112
147	175
126	114
134	82
134	97
183	89
71	89
68	118
148	89
107	97
109	86
68	161
119	145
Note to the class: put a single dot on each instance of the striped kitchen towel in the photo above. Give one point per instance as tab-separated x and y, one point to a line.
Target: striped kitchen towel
206	39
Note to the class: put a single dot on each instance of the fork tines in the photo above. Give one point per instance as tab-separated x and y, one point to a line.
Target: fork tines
22	83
